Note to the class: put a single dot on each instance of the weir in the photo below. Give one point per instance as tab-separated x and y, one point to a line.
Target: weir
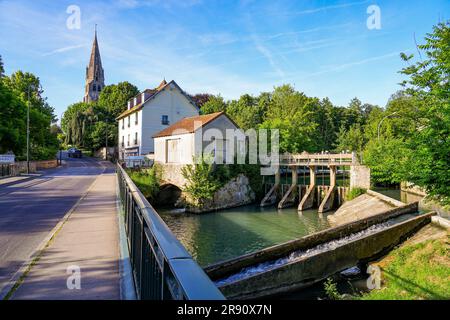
316	195
305	261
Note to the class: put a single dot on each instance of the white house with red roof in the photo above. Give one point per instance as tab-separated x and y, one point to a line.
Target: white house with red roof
191	137
150	112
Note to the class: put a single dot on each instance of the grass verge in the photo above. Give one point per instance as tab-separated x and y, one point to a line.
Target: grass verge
415	272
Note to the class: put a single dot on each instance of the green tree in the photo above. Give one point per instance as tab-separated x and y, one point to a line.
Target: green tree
214	104
201	183
388	160
291	112
2	68
114	97
12	121
428	82
26	87
351	139
248	112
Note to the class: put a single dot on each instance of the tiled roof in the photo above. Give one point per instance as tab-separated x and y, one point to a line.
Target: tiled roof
186	125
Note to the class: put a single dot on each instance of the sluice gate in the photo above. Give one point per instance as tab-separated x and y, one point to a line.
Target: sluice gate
302	262
315	193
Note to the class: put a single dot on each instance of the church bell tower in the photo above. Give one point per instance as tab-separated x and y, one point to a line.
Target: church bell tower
95	78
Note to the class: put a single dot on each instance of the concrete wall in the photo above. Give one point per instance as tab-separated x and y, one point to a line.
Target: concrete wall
307	271
172	174
359	177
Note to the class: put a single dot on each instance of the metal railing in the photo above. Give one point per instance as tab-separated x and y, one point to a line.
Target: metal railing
319	159
162	268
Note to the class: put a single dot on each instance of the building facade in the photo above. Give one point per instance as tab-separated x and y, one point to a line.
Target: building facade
95	76
150	112
215	134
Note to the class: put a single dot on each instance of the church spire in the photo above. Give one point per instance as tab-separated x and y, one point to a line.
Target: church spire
95	79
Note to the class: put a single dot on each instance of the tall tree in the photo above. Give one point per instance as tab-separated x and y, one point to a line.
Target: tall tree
290	112
27	87
428	82
200	98
214	104
115	97
12	121
2	68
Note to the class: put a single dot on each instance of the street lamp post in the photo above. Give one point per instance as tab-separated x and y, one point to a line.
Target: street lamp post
106	140
30	87
60	147
381	121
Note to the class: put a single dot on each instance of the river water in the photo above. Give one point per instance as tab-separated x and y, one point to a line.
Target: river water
217	236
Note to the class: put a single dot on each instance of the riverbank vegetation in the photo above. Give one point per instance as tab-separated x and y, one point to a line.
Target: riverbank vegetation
204	179
354	193
17	91
415	272
147	180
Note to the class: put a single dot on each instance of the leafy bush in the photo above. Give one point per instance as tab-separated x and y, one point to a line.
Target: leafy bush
330	288
201	183
147	180
354	192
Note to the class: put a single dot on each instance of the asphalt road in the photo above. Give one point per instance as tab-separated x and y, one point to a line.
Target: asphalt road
29	210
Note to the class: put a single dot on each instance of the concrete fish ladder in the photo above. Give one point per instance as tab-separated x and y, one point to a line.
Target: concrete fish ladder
295	273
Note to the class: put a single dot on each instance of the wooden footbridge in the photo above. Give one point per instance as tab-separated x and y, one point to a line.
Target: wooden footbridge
326	197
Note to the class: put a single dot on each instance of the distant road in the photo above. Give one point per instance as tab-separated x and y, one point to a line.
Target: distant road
29	210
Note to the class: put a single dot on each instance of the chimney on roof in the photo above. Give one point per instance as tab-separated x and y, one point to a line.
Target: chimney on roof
129	104
162	84
135	101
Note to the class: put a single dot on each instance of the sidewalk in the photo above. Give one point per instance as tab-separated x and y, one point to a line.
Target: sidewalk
89	240
19	178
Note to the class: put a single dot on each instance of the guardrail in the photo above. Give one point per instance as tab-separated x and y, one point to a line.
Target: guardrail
162	268
319	159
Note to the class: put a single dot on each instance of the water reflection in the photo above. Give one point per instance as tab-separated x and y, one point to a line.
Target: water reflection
217	236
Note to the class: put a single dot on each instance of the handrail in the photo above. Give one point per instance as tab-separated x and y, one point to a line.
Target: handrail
162	267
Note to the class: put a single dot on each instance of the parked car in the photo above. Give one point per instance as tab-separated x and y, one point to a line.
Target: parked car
74	153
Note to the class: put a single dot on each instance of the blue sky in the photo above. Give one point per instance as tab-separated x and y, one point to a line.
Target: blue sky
323	48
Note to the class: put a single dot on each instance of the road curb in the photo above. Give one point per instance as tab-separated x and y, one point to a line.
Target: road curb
127	289
7	292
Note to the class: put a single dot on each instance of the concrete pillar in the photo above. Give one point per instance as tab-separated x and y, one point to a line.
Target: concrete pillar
332	175
359	177
277	176
312	175
294	175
